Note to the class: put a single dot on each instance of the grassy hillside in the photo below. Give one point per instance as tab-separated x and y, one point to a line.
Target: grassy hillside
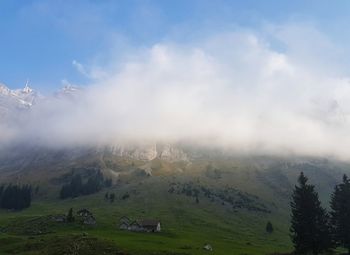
236	198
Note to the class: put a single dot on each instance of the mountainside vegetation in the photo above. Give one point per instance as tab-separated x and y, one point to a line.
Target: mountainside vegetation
15	197
95	182
221	201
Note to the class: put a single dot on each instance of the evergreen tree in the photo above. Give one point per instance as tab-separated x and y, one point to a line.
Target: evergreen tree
310	231
340	213
269	227
70	217
1	190
76	187
108	182
112	197
15	197
65	191
36	189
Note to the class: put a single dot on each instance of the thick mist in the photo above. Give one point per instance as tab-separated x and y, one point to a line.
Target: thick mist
282	91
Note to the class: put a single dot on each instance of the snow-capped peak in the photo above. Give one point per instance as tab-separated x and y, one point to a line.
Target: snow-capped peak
18	98
70	88
69	92
4	90
27	89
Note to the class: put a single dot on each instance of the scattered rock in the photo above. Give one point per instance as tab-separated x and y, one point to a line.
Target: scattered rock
208	247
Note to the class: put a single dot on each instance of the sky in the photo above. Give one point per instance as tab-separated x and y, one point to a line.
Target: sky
267	77
42	39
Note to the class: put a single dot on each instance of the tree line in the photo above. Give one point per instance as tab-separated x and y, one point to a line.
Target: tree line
15	197
314	230
76	187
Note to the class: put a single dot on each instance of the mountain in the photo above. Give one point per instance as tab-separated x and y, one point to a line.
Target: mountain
19	98
200	195
68	91
217	198
24	99
14	101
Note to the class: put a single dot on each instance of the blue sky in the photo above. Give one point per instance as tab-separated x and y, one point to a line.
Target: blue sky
40	39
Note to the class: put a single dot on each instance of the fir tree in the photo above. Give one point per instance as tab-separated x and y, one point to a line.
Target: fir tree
340	213
65	191
1	190
310	231
108	182
112	197
76	185
36	189
15	197
70	217
269	227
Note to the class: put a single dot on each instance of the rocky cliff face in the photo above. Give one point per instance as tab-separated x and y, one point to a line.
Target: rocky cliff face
171	153
138	152
149	152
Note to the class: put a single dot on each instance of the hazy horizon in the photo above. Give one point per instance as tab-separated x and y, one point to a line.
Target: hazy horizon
273	86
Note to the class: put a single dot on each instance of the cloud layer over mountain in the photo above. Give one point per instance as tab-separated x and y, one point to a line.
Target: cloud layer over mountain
285	90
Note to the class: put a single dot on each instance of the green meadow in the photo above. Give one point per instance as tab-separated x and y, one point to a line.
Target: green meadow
187	225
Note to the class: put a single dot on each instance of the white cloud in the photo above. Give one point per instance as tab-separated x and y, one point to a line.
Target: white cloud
232	90
80	68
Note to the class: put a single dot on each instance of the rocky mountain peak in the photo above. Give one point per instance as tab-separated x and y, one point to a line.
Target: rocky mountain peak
4	90
27	89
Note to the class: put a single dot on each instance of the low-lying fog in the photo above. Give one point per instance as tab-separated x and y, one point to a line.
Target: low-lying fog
272	92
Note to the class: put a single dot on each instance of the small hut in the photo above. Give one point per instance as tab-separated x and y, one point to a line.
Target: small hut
144	225
135	226
86	217
84	213
150	225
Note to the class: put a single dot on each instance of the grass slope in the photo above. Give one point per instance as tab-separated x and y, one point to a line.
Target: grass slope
186	225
